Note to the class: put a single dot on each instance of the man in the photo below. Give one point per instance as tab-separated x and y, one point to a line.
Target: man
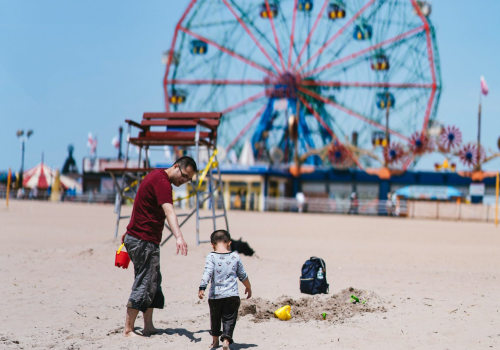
153	203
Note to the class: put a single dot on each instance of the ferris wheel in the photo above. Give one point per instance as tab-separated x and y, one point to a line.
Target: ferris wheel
359	78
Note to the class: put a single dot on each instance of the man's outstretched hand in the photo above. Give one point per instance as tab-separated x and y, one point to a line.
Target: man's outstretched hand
181	245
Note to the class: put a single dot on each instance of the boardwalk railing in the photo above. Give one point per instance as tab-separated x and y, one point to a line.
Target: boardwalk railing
339	206
411	209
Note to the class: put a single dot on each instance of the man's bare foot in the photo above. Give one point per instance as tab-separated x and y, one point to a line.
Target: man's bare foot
150	331
225	344
130	333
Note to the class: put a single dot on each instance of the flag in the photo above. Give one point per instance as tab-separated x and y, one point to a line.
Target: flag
92	143
116	142
484	86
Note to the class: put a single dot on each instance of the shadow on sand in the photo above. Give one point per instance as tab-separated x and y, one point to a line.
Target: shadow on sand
191	336
236	346
182	332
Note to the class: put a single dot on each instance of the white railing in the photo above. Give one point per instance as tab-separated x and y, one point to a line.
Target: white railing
451	211
87	197
412	209
339	206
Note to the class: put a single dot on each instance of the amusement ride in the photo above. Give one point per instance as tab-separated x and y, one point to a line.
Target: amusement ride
310	82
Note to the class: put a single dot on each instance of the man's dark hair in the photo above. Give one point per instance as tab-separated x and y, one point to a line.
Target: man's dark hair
220	236
185	162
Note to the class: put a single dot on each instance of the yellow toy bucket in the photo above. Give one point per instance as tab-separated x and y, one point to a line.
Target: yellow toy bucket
283	313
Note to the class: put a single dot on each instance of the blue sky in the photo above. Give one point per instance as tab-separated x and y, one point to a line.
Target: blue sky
68	68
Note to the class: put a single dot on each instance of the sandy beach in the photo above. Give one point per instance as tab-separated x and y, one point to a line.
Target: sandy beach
427	284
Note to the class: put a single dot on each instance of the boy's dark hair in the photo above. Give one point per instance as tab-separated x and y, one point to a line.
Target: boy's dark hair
185	162
220	236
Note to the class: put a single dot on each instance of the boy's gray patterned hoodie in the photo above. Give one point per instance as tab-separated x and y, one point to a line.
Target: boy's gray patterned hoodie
222	271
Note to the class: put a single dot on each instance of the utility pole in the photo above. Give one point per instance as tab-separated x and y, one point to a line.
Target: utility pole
478	165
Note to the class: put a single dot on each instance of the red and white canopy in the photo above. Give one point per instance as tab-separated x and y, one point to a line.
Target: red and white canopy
42	176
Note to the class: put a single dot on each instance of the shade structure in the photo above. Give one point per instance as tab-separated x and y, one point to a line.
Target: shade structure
246	156
429	192
43	176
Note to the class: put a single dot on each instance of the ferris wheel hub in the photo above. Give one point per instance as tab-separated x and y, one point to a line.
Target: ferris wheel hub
284	85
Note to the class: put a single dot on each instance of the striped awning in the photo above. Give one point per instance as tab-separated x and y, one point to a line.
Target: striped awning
42	177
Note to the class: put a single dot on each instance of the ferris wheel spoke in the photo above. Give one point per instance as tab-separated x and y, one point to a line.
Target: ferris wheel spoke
171	54
228	51
246	128
366	84
271	20
244	102
336	35
262	37
214	82
368	49
308	39
429	109
352	113
323	123
317	116
292	34
247	30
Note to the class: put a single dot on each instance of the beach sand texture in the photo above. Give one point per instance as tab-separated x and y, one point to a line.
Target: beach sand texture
427	284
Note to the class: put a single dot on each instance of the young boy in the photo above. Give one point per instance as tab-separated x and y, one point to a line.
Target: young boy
222	269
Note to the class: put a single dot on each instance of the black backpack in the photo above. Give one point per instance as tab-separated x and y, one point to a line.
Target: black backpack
313	278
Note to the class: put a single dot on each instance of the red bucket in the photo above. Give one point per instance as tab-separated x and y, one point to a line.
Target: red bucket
121	258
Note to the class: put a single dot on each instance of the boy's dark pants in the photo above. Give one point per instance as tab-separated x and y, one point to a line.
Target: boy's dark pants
225	310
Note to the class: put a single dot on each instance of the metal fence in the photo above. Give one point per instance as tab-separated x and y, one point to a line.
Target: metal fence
339	206
411	209
452	211
88	197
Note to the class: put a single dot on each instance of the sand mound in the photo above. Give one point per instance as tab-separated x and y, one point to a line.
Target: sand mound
337	307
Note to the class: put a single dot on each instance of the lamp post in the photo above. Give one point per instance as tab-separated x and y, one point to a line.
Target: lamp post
478	155
23	136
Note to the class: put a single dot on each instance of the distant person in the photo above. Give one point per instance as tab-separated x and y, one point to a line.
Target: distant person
353	204
301	200
223	268
20	193
237	200
389	205
92	194
152	205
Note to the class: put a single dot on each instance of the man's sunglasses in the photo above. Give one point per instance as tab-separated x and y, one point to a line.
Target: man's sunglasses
184	175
